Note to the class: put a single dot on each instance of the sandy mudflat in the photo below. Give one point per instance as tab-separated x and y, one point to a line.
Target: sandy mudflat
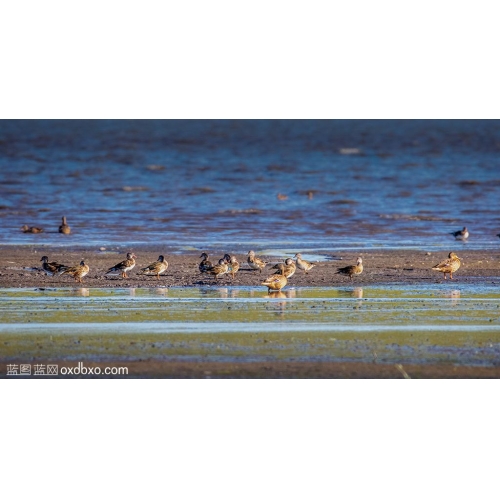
398	267
18	269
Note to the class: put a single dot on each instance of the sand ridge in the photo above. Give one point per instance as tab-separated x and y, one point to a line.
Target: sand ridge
18	268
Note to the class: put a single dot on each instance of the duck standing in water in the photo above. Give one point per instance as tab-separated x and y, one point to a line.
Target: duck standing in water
156	268
64	228
34	230
449	265
78	272
352	270
124	266
461	235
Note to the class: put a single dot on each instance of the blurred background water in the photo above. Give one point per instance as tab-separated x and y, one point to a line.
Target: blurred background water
202	184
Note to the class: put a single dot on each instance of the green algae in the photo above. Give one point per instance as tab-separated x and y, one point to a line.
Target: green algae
379	324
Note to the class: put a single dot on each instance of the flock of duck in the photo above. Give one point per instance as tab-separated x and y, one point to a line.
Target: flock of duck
228	265
63	228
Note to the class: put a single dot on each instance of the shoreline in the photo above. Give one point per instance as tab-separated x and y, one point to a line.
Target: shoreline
18	269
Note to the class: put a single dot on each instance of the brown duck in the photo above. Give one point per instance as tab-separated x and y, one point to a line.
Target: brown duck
234	265
156	268
52	268
254	262
289	268
124	266
352	270
220	269
303	264
78	272
276	281
449	265
64	228
34	230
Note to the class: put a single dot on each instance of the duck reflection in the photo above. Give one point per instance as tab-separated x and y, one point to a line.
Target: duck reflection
279	305
161	291
454	295
223	293
356	293
83	292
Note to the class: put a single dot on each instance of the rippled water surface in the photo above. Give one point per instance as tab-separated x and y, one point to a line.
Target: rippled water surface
201	184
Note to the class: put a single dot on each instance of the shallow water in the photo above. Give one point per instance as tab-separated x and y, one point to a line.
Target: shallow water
186	185
384	323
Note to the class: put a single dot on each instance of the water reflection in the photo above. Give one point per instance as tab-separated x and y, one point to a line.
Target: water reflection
280	306
83	292
454	295
228	293
356	293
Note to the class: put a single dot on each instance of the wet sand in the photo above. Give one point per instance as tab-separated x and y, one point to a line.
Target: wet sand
21	267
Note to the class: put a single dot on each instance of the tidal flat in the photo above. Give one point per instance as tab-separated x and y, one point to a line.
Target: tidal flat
390	330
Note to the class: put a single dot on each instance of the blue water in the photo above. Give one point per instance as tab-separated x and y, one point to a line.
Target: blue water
209	184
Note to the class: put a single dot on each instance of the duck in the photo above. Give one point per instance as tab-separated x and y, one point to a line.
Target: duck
234	266
78	272
449	265
352	270
123	267
276	281
303	264
52	268
158	267
205	264
254	262
289	268
64	228
220	269
34	230
461	235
